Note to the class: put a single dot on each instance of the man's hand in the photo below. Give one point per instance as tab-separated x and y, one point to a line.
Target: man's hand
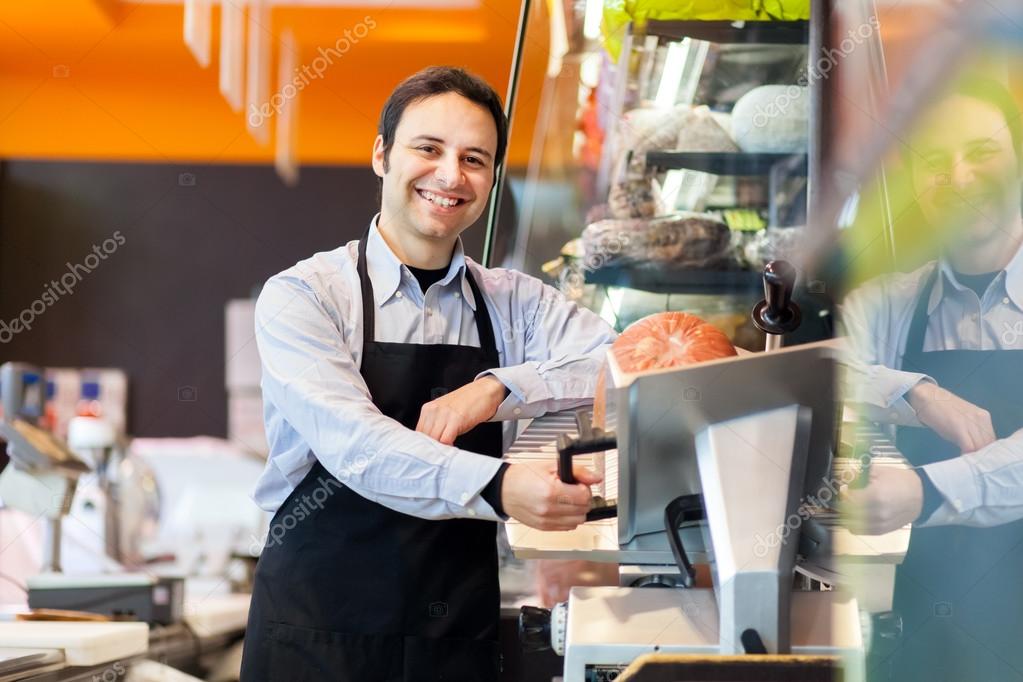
454	413
892	498
533	494
959	422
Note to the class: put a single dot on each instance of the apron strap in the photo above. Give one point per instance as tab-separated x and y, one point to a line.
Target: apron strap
918	326
483	325
484	328
368	302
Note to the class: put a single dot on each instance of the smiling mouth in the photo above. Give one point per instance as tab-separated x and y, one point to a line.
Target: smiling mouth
437	200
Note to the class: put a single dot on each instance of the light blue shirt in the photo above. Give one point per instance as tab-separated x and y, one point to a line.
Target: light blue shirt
317	406
982	488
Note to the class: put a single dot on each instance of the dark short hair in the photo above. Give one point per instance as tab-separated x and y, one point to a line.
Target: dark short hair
996	94
437	80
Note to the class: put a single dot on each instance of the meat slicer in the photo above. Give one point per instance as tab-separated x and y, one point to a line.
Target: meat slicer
714	461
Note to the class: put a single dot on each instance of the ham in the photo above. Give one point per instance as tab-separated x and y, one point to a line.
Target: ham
661	341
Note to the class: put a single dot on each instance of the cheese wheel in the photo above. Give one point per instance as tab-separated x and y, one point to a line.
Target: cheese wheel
660	341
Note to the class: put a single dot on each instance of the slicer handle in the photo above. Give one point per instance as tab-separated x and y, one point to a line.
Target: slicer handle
777	313
590	440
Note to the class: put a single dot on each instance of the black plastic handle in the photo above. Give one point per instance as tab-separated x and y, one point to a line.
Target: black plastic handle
777	313
590	440
683	509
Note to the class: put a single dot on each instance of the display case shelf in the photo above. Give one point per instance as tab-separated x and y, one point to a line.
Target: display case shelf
677	281
724	163
731	32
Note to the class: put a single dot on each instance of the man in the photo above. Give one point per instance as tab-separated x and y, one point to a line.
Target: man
941	361
388	365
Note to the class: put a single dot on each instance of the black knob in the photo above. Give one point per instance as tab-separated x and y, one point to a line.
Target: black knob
777	313
534	628
888	625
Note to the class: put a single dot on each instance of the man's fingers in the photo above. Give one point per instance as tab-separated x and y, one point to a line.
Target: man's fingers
577	495
586	475
449	433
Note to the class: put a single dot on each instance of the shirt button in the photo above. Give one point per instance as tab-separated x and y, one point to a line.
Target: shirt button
893	415
974	317
398	294
517	411
457	296
471	512
465	497
958	504
429	311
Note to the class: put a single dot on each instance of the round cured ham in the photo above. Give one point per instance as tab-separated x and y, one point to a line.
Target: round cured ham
661	341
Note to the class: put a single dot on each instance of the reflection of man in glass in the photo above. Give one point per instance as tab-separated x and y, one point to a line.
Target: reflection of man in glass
943	361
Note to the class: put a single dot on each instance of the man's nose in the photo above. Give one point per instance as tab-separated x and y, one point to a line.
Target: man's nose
962	175
449	173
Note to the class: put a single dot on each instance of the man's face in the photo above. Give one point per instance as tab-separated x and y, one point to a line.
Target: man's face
441	167
965	171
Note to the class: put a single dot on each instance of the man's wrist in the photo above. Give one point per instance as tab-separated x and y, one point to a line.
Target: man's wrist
920	392
496	388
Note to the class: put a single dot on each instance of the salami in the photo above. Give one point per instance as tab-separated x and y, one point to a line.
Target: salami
661	341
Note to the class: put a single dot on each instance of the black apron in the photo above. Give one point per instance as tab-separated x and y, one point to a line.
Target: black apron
959	591
357	591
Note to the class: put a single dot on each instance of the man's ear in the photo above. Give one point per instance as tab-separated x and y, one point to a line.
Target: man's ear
378	156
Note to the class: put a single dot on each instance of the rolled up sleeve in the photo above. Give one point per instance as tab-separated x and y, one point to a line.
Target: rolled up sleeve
564	349
982	488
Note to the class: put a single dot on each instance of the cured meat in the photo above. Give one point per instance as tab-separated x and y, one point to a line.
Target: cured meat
683	240
660	341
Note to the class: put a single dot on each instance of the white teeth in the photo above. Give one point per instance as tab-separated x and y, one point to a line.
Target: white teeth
440	201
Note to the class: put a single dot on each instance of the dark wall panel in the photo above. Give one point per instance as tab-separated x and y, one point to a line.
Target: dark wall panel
193	237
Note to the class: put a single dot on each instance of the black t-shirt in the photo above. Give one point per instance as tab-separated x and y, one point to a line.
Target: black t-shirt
428	277
979	283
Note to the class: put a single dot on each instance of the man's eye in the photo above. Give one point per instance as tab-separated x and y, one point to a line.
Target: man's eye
982	154
473	160
429	149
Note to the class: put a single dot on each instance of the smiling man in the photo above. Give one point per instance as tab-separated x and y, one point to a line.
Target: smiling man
388	365
935	359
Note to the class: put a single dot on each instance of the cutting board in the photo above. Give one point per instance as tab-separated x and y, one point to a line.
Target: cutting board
82	643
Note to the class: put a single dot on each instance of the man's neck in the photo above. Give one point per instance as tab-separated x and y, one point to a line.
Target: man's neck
413	249
991	255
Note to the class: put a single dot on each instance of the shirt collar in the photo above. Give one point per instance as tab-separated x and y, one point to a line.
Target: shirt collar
386	271
1012	276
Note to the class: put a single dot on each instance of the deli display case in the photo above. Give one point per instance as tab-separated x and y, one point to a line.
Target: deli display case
674	153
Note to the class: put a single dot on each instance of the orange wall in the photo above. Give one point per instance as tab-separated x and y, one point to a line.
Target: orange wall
87	79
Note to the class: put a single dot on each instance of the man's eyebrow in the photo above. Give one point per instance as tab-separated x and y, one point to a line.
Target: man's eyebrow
981	141
431	138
